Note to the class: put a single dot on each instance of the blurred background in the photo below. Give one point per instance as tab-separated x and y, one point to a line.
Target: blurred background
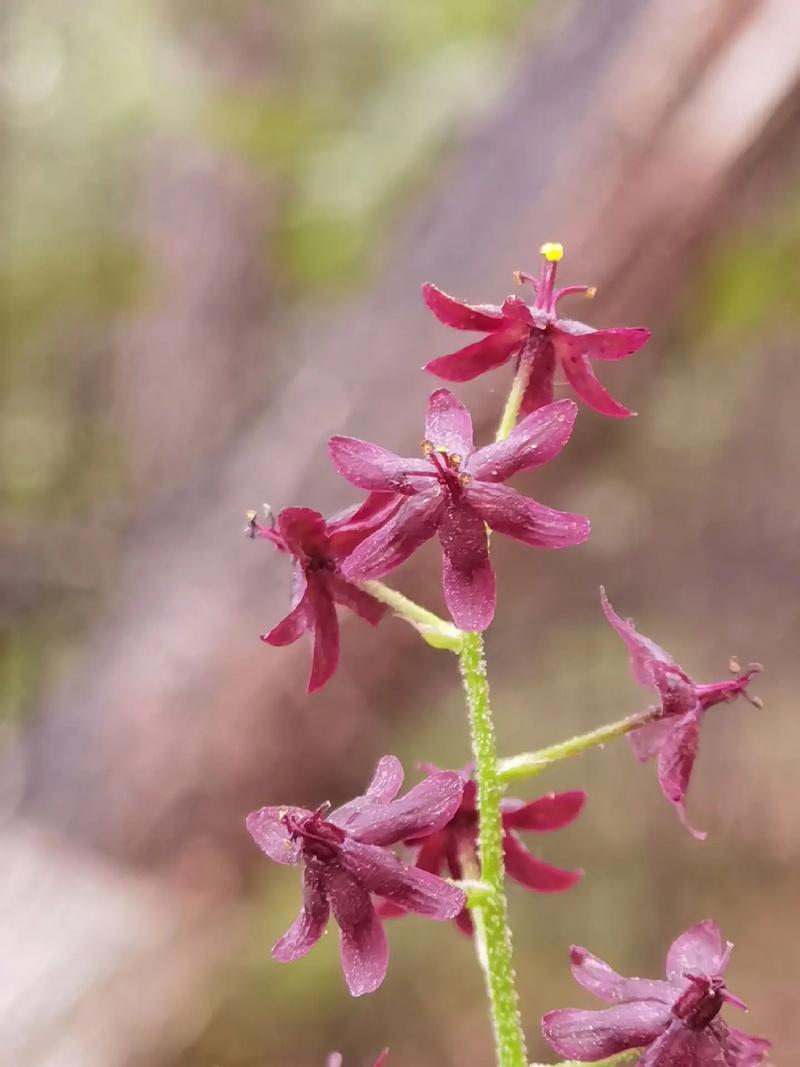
214	221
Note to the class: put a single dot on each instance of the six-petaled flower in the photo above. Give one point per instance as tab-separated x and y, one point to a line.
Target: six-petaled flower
318	546
674	736
346	861
453	849
676	1023
455	490
534	332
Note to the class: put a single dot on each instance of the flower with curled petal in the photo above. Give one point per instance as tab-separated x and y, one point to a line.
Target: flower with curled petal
346	861
675	1023
455	845
318	546
534	332
335	1059
456	491
674	736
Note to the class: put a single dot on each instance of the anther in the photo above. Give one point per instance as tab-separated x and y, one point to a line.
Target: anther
552	251
734	666
426	447
252	525
465	480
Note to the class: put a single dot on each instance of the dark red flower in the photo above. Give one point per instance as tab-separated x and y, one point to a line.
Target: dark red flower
534	331
675	735
456	843
345	861
318	546
455	491
675	1022
335	1059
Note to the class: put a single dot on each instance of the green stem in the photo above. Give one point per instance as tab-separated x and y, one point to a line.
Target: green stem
491	913
436	631
630	1055
514	401
529	764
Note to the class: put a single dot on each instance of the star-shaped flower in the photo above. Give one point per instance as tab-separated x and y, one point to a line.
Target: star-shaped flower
534	332
675	734
675	1022
346	860
456	843
318	546
456	491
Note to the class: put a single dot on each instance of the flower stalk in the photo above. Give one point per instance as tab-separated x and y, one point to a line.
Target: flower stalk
491	912
529	764
435	630
516	394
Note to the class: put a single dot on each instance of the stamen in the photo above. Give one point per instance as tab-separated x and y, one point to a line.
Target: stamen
734	666
252	525
552	251
455	460
426	447
465	480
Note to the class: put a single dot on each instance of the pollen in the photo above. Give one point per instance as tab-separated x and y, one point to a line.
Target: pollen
552	251
465	480
426	447
591	292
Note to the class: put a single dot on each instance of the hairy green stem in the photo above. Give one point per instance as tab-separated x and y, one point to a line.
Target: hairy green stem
491	913
514	401
630	1055
529	764
434	630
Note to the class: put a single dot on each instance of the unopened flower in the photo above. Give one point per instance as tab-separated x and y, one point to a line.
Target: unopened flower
456	491
455	845
534	332
675	1022
674	736
318	546
335	1059
345	861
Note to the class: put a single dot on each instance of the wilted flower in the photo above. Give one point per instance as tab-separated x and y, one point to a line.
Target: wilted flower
345	861
534	331
455	491
335	1059
455	845
318	546
675	735
675	1022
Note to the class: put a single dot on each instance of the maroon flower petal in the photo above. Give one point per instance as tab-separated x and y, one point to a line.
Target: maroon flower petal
325	656
593	1035
309	926
348	528
384	787
464	922
427	807
679	1046
648	740
537	439
510	513
675	764
384	874
459	315
514	308
601	344
414	522
533	873
362	947
269	833
302	530
371	467
448	424
596	976
539	391
467	363
364	605
745	1050
549	812
291	627
467	575
592	392
699	950
643	652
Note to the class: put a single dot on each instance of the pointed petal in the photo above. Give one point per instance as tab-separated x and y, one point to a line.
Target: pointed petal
303	530
549	812
467	363
675	764
291	627
382	1057
581	377
467	575
648	740
427	807
349	528
309	926
269	833
371	467
515	308
592	1035
517	516
699	950
533	873
362	947
679	1046
614	344
461	316
539	391
382	873
325	656
745	1050
596	976
448	424
414	522
364	605
537	439
384	787
644	653
464	922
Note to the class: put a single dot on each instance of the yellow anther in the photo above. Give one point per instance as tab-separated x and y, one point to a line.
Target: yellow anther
426	447
251	517
517	276
465	480
591	293
552	251
456	460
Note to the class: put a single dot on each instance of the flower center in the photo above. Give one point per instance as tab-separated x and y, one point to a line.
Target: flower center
547	296
317	837
447	469
701	1002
